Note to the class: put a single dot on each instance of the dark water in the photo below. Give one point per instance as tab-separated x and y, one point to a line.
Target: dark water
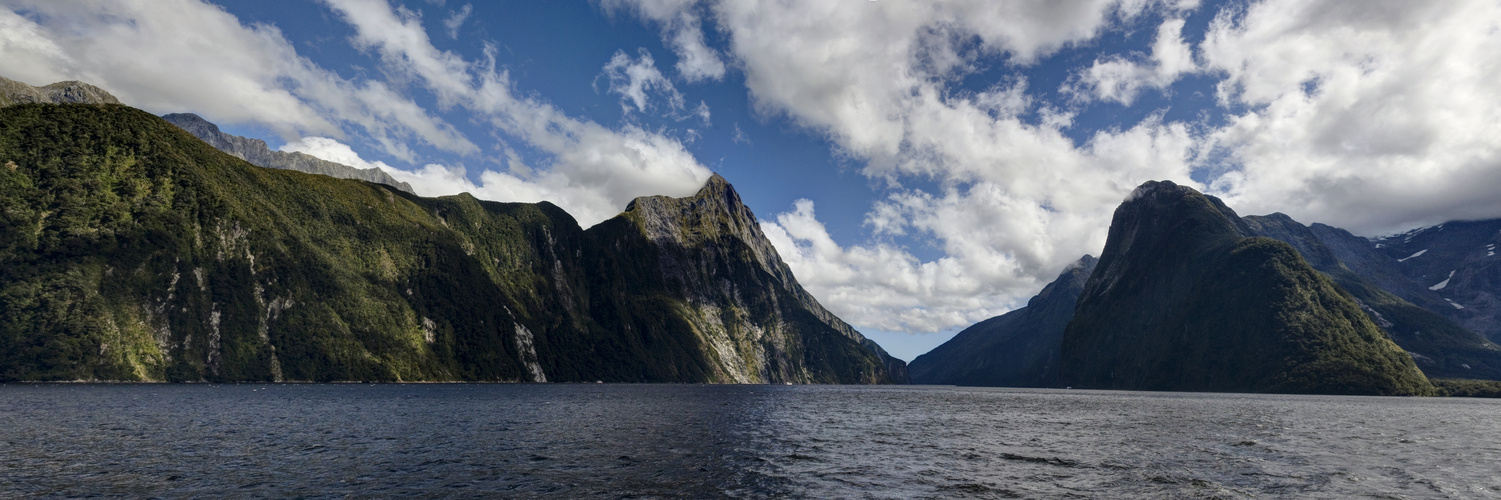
574	441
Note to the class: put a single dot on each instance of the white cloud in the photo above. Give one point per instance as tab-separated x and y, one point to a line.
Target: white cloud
1373	116
702	112
739	136
682	30
637	80
594	171
219	68
1119	79
236	74
881	286
1018	200
456	20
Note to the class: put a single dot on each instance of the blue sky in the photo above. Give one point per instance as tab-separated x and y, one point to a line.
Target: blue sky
920	165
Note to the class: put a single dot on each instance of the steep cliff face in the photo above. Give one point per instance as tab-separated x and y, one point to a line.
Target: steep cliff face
14	92
131	250
1441	347
1018	349
257	153
1183	299
740	297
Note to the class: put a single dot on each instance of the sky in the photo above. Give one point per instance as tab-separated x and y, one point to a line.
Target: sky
920	166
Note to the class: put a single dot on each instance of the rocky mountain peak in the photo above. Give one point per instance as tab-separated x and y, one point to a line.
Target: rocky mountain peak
712	215
14	92
716	232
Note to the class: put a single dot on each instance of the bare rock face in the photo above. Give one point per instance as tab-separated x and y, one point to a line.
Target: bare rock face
14	92
712	254
257	153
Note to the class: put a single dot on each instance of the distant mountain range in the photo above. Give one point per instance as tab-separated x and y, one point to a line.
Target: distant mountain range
132	250
1452	269
1197	298
257	153
254	151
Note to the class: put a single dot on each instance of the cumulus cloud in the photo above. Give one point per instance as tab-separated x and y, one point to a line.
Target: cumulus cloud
223	70
682	30
1376	116
1119	78
1018	200
879	286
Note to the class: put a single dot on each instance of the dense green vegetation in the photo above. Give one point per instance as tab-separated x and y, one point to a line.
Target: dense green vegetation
1181	300
1464	388
1441	347
130	250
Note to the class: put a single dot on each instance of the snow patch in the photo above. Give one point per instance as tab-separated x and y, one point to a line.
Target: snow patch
1420	252
1456	306
1444	283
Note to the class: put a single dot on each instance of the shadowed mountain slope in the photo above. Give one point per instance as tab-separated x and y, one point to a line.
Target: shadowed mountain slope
1018	349
1453	269
1184	299
1442	348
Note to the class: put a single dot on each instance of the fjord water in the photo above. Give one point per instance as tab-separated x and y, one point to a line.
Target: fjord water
738	441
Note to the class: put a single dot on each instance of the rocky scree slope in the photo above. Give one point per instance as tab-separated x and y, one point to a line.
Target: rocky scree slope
131	250
1185	298
1018	349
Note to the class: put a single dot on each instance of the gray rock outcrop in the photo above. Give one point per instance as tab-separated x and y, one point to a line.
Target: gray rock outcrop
257	153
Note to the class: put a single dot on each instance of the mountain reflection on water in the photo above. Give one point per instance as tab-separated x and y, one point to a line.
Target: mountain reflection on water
739	441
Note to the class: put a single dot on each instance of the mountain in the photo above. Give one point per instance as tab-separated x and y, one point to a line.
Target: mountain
1455	266
1186	298
132	250
1441	347
257	153
14	92
1017	349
